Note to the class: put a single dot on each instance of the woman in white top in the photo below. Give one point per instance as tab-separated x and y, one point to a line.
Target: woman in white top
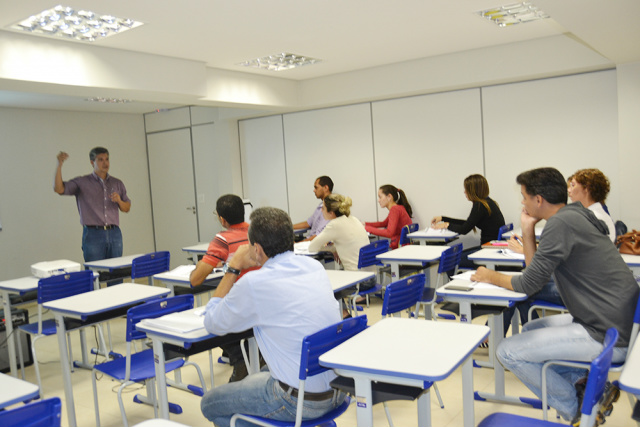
344	234
591	187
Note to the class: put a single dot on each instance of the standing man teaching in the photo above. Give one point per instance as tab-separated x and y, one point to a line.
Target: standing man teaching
322	187
100	198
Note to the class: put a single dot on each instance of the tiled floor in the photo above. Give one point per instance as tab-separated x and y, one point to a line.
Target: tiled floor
404	414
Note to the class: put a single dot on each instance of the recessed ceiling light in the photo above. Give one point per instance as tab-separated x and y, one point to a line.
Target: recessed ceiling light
83	25
280	62
513	14
109	100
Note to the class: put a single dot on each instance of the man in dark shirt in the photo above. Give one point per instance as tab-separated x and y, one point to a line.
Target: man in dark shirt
596	285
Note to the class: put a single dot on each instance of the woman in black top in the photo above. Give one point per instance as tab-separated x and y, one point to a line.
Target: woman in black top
485	213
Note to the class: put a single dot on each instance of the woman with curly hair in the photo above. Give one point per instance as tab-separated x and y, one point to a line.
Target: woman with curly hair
591	187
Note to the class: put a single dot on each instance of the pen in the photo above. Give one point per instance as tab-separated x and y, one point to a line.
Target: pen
518	239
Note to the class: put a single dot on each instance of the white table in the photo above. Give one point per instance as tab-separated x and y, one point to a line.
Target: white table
194	341
633	261
412	255
93	307
14	287
112	264
180	276
14	390
630	376
494	296
425	237
342	279
407	352
195	250
508	234
492	258
159	422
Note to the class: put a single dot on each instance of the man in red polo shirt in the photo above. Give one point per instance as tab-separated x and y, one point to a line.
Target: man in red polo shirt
230	212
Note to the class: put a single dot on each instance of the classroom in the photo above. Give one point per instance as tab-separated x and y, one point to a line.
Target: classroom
561	92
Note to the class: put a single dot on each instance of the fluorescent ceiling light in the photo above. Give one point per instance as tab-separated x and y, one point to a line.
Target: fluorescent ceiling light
83	25
280	62
109	100
513	14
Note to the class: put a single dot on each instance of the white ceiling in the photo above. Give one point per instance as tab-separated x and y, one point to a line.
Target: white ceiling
348	35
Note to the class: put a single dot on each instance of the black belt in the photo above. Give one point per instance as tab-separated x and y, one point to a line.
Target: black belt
101	227
316	397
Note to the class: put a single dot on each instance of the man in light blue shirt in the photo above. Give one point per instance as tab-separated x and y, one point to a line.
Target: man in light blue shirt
322	187
289	298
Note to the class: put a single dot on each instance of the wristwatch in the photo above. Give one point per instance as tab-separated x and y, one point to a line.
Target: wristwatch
226	268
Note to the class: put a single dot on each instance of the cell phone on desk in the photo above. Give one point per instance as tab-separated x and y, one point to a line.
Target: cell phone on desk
459	288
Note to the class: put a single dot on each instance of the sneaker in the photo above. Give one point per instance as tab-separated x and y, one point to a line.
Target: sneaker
239	372
610	396
580	387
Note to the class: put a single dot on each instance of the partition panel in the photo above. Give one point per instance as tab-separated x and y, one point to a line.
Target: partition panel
426	145
334	142
569	123
264	177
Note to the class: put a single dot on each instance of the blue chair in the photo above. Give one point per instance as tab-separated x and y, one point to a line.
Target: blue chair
50	289
615	367
150	264
367	260
139	367
449	261
313	346
403	294
404	240
43	413
596	382
504	229
544	306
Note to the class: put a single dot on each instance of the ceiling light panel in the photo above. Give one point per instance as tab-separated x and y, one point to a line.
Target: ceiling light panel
513	14
66	22
280	62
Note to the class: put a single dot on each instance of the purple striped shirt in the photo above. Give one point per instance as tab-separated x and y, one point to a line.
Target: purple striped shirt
93	197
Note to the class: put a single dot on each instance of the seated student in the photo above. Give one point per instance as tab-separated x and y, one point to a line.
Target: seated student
598	288
289	298
591	187
230	213
344	233
400	214
485	214
322	187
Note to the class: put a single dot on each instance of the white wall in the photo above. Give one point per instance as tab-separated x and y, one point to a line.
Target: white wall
427	144
39	225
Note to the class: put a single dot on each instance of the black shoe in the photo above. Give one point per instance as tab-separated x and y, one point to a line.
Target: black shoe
610	396
580	387
239	372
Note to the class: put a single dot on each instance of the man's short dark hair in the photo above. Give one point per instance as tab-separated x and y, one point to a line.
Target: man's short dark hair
98	150
231	208
546	182
272	229
325	180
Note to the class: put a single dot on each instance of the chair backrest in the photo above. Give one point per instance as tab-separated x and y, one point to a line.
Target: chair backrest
450	259
154	309
150	264
621	228
403	294
43	413
404	240
505	228
368	253
597	379
315	345
64	285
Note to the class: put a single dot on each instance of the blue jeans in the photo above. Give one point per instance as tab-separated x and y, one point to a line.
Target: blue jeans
101	244
259	394
552	338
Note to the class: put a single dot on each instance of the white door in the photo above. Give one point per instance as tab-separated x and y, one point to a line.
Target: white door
175	218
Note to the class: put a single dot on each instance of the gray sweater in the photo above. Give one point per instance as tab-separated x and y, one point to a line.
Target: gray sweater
596	285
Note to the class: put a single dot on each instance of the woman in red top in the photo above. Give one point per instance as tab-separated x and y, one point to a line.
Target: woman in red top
400	213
